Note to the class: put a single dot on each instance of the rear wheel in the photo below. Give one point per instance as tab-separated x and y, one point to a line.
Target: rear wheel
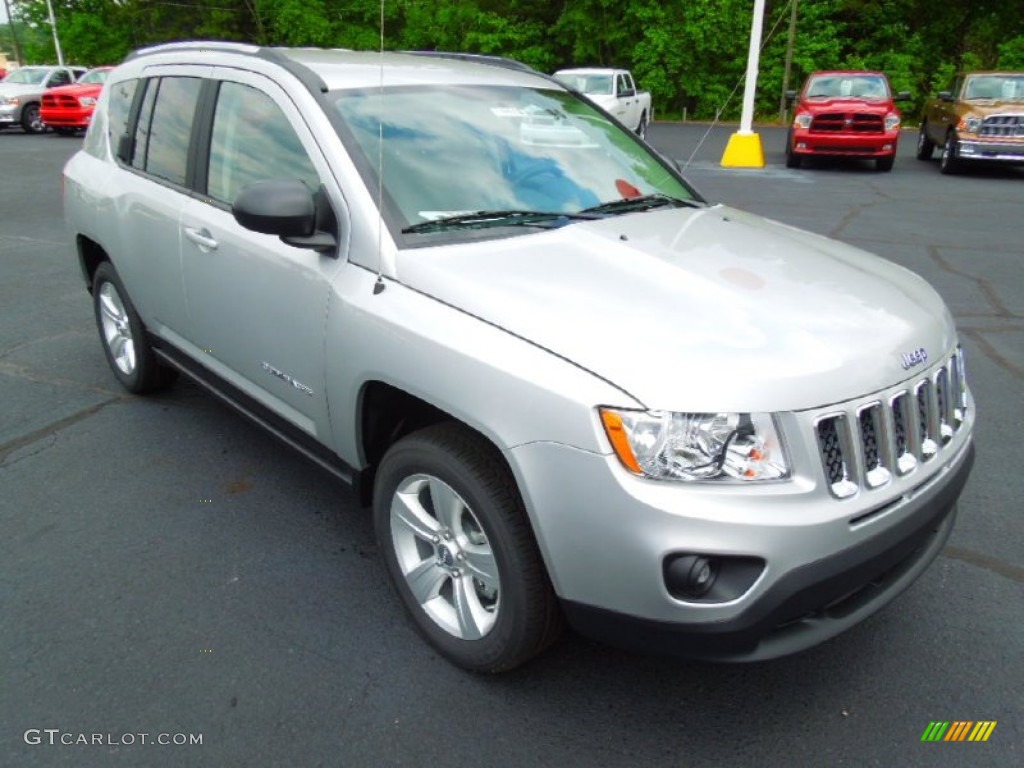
460	551
30	120
925	146
128	352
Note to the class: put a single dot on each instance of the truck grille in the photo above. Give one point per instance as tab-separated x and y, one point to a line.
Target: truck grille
863	447
836	122
1011	126
50	100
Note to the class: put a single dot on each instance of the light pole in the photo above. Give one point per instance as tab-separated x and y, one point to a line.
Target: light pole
745	149
14	35
56	40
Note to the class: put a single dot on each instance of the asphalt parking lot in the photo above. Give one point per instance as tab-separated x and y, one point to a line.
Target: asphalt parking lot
167	569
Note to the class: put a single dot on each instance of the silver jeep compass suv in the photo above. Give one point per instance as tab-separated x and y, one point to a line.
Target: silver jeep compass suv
570	388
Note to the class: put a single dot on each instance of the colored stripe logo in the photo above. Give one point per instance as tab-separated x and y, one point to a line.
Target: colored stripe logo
959	730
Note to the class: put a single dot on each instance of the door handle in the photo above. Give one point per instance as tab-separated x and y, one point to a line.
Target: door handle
202	238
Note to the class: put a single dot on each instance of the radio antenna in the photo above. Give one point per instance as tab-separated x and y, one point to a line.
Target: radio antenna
379	285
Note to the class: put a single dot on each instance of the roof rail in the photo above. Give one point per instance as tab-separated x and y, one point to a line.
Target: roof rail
194	45
479	58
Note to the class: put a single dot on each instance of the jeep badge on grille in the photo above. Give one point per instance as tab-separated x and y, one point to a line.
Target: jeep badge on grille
916	357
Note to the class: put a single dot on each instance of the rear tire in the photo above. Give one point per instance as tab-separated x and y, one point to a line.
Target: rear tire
128	352
459	549
925	146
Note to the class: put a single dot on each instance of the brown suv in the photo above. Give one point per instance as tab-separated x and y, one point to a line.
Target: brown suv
981	118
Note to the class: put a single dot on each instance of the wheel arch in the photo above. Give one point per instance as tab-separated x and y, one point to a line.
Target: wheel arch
90	255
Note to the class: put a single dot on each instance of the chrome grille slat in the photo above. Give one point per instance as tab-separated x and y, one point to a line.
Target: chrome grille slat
864	447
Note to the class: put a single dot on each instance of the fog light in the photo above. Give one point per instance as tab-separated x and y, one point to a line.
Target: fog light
801	145
692	575
887	147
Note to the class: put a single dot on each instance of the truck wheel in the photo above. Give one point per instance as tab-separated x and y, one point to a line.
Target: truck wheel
641	129
950	163
885	163
792	158
123	335
30	120
925	146
459	549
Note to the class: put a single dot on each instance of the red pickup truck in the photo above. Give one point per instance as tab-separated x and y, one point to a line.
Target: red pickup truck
845	114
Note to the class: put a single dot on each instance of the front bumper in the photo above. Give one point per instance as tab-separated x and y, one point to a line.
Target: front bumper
810	604
988	150
66	118
844	144
10	113
820	564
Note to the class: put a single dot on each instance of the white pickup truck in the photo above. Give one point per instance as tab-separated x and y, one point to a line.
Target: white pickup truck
614	91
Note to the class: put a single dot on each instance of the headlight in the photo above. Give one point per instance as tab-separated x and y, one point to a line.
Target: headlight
803	120
969	124
87	101
892	122
696	446
9	101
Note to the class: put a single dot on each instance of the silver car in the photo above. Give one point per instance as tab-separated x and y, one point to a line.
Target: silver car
569	387
21	93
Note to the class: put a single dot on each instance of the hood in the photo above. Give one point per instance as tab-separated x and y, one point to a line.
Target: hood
698	309
19	89
77	90
840	104
986	107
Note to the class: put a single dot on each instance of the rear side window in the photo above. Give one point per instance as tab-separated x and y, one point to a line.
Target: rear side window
165	128
253	140
119	108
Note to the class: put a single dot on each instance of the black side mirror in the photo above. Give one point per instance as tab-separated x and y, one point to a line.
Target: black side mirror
946	95
790	98
626	92
286	208
903	96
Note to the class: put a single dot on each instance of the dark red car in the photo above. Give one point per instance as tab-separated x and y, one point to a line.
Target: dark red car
848	113
68	109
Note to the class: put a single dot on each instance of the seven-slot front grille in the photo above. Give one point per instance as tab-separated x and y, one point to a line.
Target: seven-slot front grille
863	447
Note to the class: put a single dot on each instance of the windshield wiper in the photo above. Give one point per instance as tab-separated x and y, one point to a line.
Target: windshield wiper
643	203
484	219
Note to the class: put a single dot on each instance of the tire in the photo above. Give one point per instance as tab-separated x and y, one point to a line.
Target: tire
641	129
925	146
128	352
470	574
949	163
885	164
30	120
793	160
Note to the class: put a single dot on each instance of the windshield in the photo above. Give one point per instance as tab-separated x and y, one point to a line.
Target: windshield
847	87
94	76
26	76
451	150
594	85
998	87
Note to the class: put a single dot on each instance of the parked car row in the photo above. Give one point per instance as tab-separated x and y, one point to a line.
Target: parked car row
40	97
852	113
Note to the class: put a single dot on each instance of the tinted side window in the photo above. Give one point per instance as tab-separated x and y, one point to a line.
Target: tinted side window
170	128
253	140
141	142
119	107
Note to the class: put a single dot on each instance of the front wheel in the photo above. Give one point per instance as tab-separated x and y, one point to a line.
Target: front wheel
128	352
31	122
925	146
792	158
459	549
885	163
950	162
